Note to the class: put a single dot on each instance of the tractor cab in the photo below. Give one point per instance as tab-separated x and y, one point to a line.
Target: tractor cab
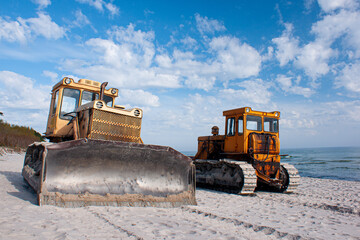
66	97
249	131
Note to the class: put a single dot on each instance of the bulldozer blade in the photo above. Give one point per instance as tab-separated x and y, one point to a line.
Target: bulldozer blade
109	173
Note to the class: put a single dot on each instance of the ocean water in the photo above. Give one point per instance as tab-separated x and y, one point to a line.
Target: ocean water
340	163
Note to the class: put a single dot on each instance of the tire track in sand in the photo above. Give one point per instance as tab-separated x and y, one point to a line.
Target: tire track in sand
106	220
268	231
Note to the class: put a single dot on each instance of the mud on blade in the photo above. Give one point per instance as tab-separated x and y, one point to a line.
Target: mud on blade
110	173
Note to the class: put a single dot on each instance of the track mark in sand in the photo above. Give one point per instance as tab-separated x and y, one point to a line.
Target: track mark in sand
256	228
101	216
334	208
324	206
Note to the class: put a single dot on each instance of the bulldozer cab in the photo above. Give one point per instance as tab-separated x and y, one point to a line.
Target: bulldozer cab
251	132
67	96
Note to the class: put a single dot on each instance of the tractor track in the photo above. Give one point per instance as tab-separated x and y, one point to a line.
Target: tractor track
268	231
336	208
109	222
294	177
226	175
339	201
192	216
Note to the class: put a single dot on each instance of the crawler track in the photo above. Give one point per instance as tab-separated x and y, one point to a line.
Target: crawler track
294	177
226	175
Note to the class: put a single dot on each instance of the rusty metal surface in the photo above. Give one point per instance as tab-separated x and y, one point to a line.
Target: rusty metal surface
97	172
264	143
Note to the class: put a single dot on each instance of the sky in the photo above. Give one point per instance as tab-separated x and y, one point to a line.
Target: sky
185	62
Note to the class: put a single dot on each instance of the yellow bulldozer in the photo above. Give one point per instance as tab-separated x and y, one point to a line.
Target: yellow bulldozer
246	157
96	156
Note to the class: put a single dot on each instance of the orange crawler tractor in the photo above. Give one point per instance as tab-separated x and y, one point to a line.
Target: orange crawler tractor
246	157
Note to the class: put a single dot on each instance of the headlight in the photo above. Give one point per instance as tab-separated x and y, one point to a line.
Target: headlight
247	109
137	112
114	91
276	114
99	104
67	80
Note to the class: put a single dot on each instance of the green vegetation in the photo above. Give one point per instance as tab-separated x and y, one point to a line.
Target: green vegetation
17	137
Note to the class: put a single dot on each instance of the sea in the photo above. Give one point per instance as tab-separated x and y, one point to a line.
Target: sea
339	163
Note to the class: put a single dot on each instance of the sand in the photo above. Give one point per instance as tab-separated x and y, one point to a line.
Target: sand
319	209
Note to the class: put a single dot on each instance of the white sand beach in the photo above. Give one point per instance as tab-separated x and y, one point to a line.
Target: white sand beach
319	209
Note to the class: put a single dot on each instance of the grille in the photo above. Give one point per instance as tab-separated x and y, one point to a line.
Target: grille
263	143
112	126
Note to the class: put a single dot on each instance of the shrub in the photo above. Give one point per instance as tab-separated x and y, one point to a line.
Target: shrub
17	137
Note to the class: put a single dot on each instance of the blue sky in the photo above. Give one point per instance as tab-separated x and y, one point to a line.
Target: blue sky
185	62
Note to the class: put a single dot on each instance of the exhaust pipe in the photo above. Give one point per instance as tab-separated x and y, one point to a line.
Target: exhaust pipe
102	89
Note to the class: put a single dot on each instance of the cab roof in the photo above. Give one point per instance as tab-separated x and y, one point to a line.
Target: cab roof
248	110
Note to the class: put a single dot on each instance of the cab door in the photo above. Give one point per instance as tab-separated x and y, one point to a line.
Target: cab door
52	113
230	135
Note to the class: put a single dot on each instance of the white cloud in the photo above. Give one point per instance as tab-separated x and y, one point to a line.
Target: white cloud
252	92
163	60
129	58
20	92
331	5
13	31
43	26
342	24
135	41
193	112
319	56
126	47
308	4
333	115
349	78
24	102
189	42
125	58
334	123
101	5
235	59
42	3
24	29
314	58
286	84
196	81
81	19
138	97
52	75
287	46
205	25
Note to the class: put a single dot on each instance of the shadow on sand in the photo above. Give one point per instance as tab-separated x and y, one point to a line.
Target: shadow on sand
25	192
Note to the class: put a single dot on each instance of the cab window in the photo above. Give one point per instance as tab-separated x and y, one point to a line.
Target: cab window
271	124
230	127
108	100
55	102
70	102
88	97
240	125
253	123
91	96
